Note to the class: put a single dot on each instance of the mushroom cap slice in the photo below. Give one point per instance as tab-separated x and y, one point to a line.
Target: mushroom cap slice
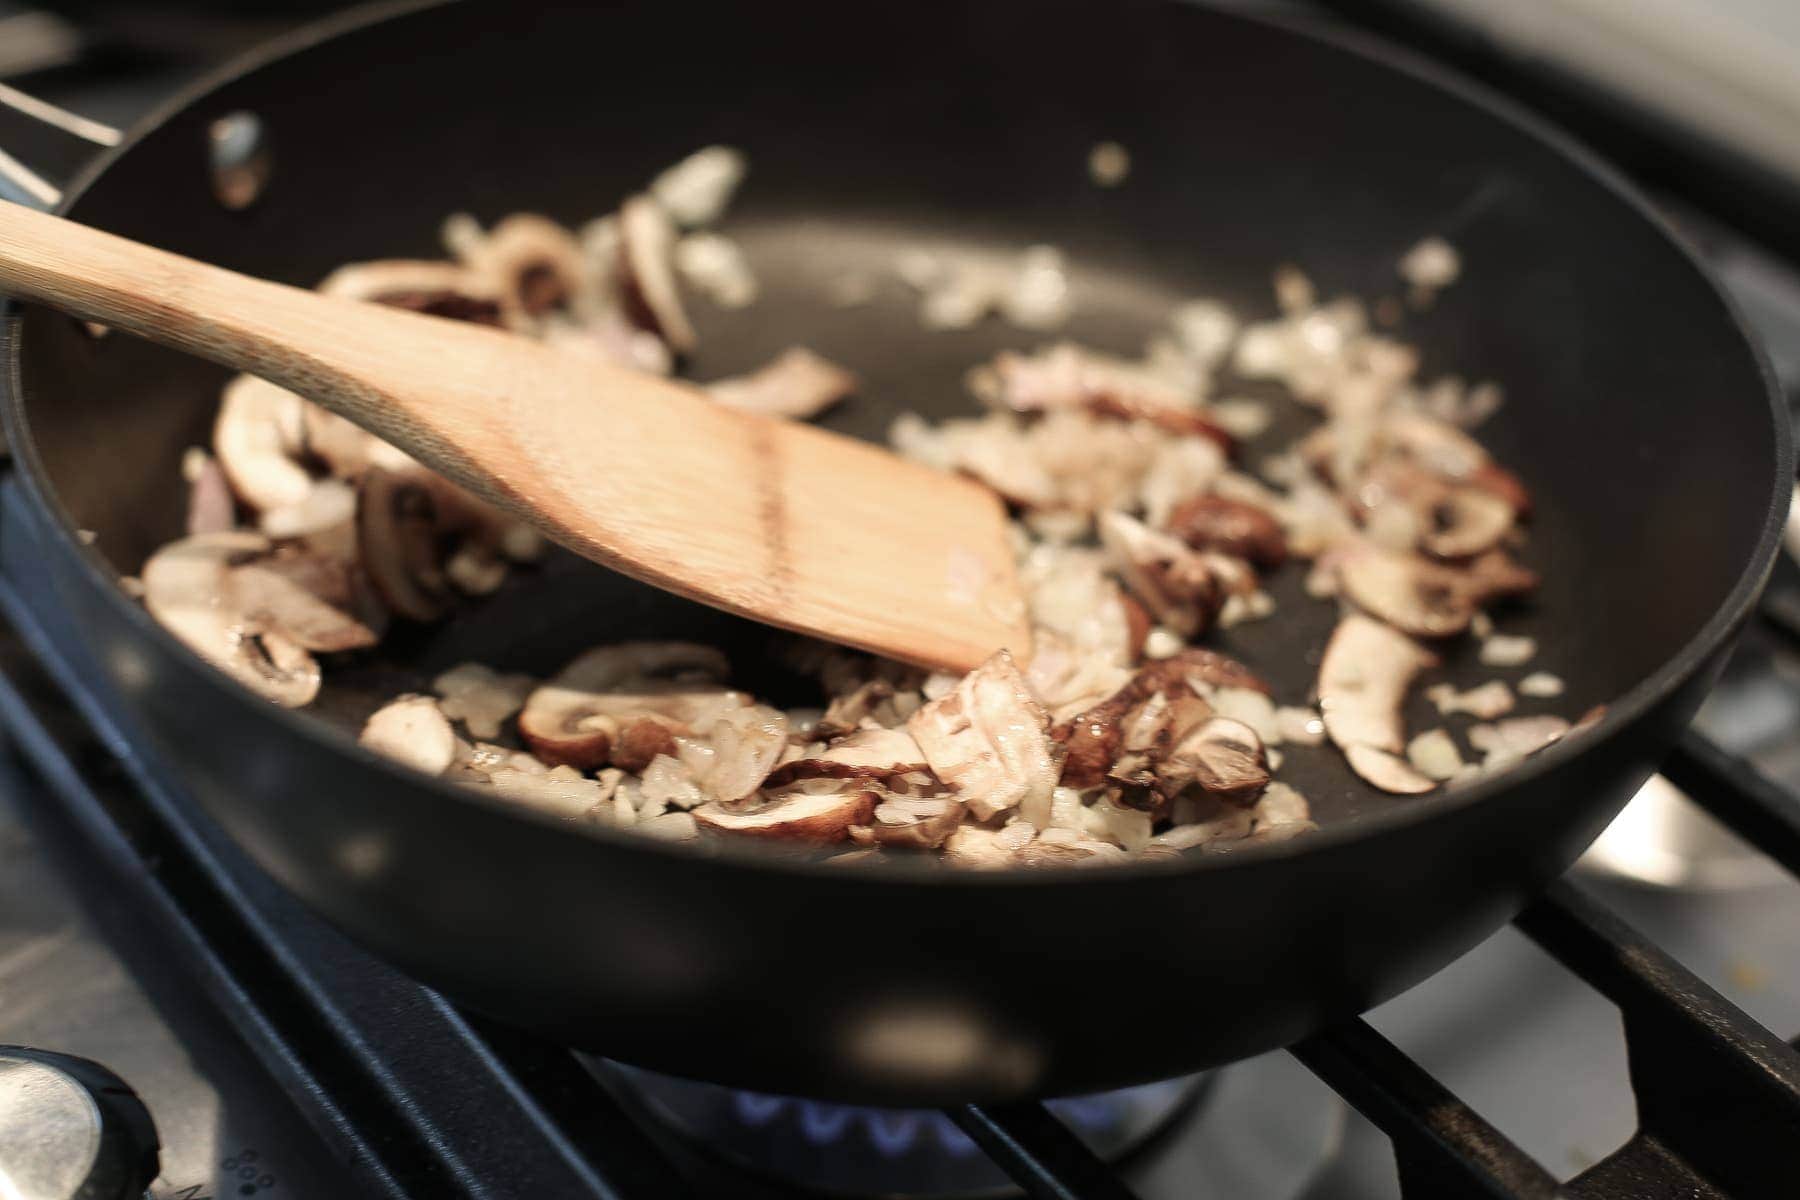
646	255
626	703
414	731
1389	772
313	599
186	589
397	539
1233	527
797	815
257	437
1466	521
439	289
1363	680
1177	584
1223	756
1410	593
535	265
989	740
922	822
865	754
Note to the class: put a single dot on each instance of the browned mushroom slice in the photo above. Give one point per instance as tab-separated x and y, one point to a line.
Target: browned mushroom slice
185	589
311	598
1231	527
1223	756
1413	594
257	437
1466	521
211	507
1175	583
626	703
412	730
1093	740
439	289
397	537
1363	680
922	822
797	384
866	754
989	740
796	815
537	265
1495	575
646	255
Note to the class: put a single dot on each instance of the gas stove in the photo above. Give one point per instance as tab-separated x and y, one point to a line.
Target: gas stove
1614	1042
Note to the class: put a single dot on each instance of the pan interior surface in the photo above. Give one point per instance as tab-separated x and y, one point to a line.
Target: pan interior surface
1620	415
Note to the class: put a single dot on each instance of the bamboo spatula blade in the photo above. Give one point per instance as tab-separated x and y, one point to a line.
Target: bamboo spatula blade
777	521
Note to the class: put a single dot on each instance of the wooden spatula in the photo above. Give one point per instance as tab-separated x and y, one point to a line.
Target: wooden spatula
775	520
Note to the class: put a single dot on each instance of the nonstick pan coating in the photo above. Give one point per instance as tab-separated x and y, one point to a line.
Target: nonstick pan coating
1637	413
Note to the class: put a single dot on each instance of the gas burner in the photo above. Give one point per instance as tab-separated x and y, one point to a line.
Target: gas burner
1262	1125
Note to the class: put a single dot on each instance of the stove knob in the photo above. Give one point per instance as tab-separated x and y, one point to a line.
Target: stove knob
71	1130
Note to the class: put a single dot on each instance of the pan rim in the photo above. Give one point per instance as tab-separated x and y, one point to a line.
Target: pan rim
1622	711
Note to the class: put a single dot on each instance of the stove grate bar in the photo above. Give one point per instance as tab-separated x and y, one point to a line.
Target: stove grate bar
1714	1088
1039	1152
1443	1149
1748	802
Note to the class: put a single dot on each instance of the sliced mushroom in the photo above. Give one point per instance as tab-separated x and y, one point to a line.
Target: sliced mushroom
1412	594
797	384
625	704
646	256
1093	740
439	289
313	599
185	588
481	697
536	266
1363	680
922	822
1223	756
989	740
1179	587
1466	521
412	730
796	815
875	754
1231	527
257	437
397	536
1389	772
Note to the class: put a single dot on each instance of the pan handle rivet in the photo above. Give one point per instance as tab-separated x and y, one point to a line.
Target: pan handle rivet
238	153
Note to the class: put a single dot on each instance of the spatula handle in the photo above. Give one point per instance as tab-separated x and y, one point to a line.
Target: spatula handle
323	347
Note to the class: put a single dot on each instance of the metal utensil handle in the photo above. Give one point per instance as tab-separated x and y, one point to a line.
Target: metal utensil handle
19	182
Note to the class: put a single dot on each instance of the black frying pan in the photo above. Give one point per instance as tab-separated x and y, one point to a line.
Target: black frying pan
1639	415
